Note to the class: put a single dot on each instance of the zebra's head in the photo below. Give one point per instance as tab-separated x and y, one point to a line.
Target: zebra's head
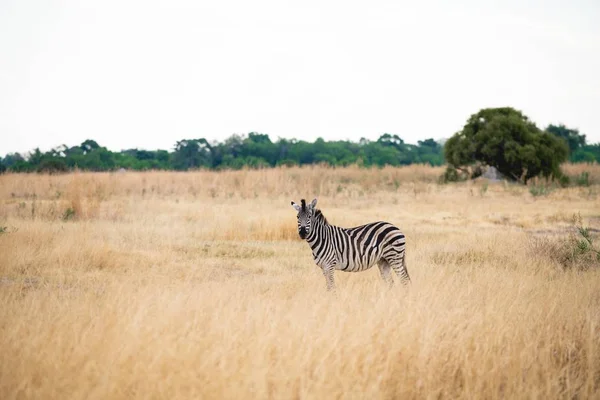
305	215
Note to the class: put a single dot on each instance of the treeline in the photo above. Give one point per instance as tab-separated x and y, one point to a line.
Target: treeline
257	150
254	150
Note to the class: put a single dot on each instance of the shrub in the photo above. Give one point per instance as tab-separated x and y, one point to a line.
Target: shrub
583	179
577	251
452	174
540	189
69	214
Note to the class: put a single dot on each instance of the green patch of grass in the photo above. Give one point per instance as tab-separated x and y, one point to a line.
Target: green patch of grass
540	189
69	214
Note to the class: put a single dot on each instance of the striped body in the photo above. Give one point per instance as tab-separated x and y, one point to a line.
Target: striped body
353	249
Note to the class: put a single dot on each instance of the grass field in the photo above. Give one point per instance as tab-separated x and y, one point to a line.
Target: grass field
196	285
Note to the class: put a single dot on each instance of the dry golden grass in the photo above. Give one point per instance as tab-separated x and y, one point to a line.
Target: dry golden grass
195	285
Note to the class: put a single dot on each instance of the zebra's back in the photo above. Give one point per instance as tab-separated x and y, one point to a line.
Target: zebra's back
361	247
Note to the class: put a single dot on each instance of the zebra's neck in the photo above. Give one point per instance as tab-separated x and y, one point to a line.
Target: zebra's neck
319	223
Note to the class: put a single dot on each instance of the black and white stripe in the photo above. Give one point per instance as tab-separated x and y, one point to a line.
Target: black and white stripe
352	249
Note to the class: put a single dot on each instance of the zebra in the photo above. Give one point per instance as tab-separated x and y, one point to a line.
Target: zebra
352	249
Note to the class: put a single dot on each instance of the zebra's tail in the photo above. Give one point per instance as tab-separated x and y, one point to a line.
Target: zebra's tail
402	272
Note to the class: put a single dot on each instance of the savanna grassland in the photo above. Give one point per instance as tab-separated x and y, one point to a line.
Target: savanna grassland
196	285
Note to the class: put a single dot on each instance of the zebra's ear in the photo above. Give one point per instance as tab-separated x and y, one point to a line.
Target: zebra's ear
296	206
313	204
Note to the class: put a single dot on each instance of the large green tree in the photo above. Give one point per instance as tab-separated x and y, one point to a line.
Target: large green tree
506	139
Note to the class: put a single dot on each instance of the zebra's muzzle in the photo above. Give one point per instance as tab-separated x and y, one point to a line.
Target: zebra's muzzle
302	233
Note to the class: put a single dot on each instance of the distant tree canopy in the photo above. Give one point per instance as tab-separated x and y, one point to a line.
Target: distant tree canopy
254	150
573	138
587	153
500	137
507	140
579	150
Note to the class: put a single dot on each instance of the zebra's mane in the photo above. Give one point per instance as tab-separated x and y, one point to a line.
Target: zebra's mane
319	214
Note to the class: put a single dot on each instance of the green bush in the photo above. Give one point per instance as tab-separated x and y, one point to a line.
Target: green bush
583	179
69	214
452	175
540	189
576	251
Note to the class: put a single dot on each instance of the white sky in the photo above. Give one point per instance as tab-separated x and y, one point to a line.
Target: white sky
146	74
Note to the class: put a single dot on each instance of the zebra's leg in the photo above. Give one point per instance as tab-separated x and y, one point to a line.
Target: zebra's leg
385	270
328	273
399	266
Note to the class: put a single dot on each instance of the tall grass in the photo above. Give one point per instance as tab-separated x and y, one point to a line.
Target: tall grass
195	285
592	170
223	184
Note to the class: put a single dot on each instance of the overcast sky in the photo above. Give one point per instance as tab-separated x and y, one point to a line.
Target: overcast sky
146	74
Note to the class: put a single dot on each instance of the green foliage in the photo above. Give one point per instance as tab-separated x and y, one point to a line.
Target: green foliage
564	181
505	139
452	175
588	153
287	163
52	164
89	145
256	150
502	137
571	136
579	150
12	159
17	163
540	189
192	153
69	214
583	179
577	251
583	252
